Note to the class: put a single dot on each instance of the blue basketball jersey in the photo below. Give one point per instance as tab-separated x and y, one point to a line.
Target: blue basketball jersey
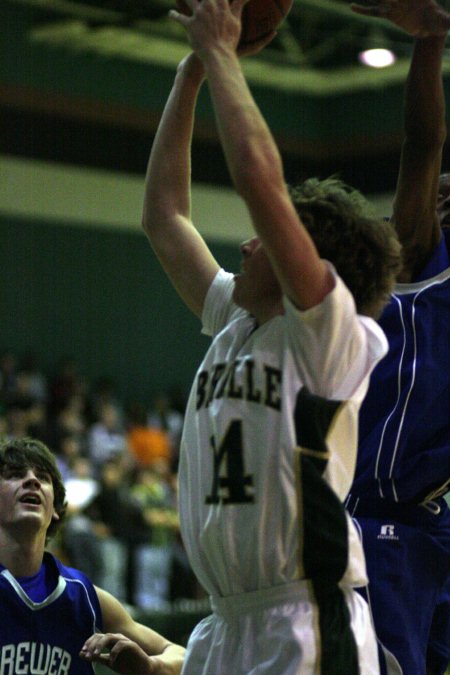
45	637
404	436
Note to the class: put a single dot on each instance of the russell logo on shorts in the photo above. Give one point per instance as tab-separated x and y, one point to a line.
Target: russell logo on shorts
388	532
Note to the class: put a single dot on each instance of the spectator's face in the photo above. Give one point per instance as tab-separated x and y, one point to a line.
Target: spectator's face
111	474
109	417
70	447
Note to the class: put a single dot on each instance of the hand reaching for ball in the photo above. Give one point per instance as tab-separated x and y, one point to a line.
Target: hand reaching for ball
211	24
259	20
419	18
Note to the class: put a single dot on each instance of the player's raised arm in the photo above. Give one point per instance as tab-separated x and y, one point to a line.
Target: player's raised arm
252	156
414	212
166	218
419	18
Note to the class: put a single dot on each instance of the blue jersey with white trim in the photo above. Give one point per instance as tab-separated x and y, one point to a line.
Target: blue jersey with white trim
45	637
404	433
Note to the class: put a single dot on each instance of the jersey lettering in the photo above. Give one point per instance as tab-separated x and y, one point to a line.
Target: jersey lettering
238	380
30	658
231	485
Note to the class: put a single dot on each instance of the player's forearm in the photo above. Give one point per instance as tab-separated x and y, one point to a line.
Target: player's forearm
257	171
172	657
157	647
250	151
167	184
414	211
425	125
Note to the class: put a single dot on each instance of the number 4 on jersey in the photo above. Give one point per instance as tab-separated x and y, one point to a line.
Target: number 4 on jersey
230	483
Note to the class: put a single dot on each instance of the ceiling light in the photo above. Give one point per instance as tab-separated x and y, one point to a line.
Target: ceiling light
377	58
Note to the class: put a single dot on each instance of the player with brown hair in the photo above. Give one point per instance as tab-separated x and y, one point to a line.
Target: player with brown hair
269	442
51	614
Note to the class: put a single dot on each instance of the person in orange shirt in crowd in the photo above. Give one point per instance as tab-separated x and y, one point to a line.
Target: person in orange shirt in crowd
147	444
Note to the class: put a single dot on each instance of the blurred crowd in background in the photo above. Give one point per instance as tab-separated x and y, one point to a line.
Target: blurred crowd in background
119	462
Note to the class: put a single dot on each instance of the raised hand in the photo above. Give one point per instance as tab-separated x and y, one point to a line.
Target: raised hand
419	18
212	23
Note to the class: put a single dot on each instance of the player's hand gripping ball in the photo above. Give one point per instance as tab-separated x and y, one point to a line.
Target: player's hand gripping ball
259	18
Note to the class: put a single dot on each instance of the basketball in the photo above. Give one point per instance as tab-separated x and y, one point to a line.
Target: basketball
262	17
259	18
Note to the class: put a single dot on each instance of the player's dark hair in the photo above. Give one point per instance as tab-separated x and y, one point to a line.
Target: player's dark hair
22	453
364	249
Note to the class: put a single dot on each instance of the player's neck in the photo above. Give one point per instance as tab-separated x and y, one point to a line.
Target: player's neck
265	311
22	557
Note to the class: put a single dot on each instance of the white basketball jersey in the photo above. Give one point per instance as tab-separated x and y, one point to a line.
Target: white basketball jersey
256	488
